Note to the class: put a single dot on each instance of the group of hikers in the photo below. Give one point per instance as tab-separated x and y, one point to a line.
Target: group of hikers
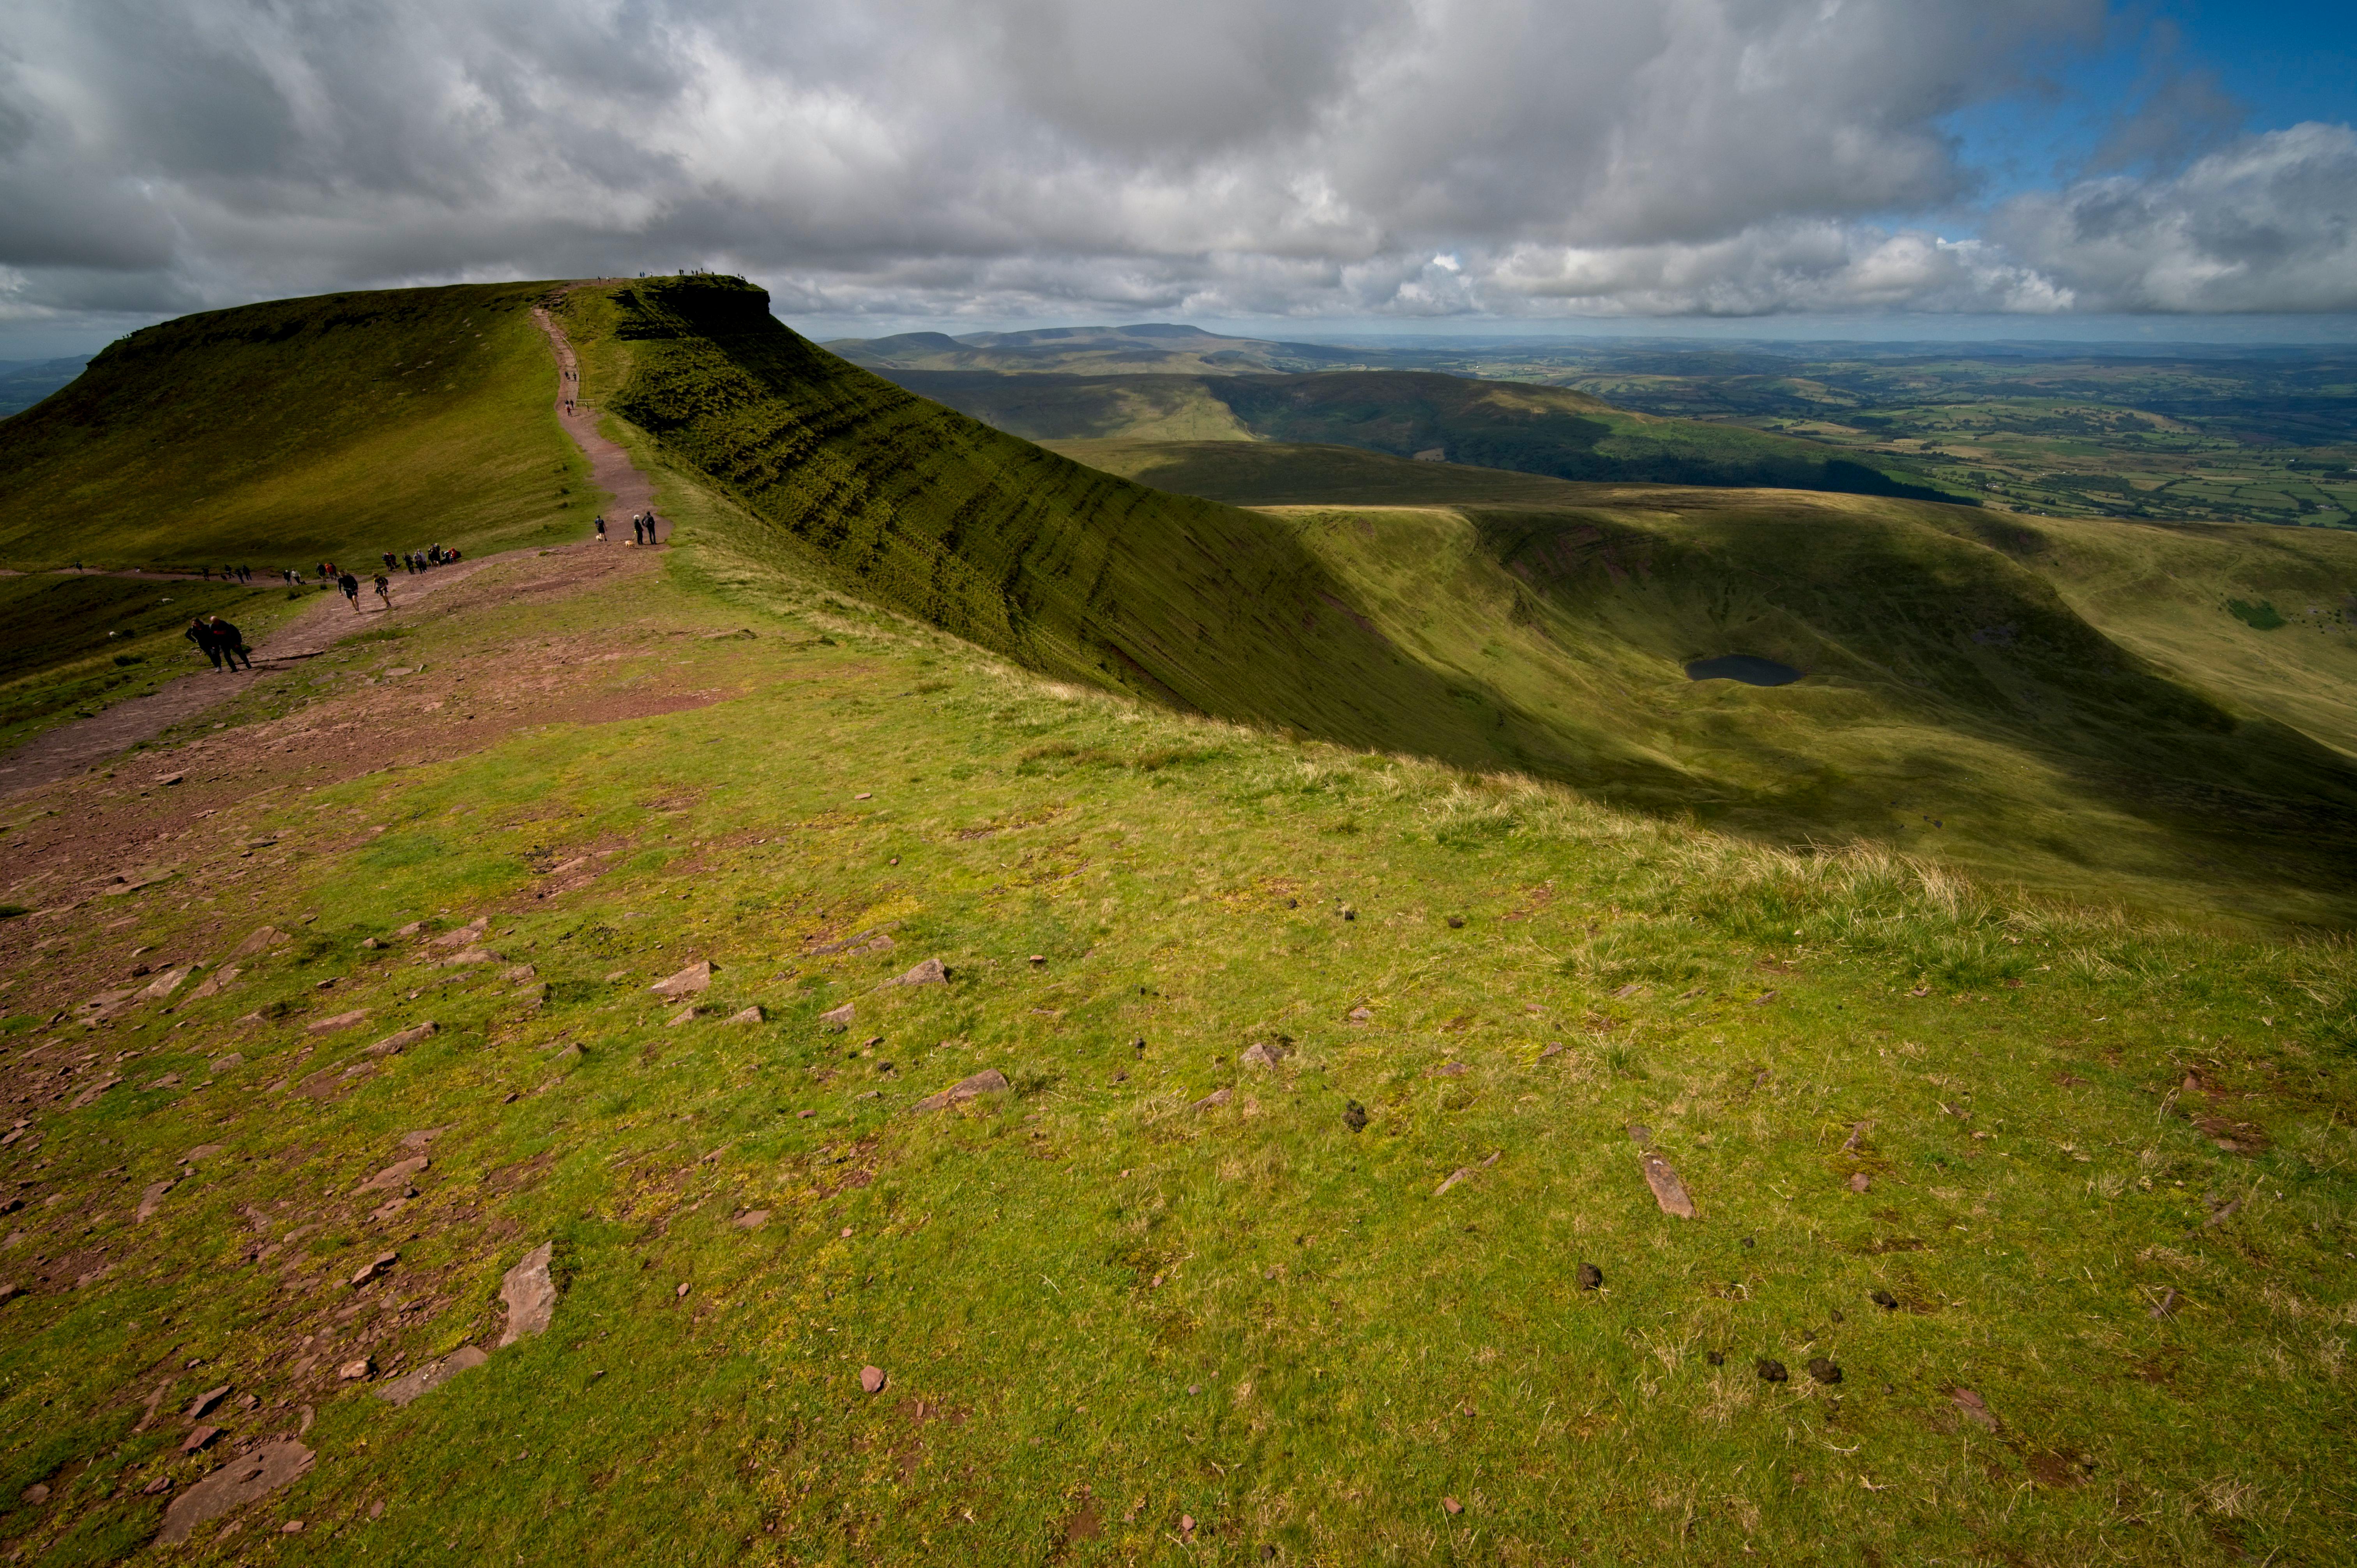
645	528
219	641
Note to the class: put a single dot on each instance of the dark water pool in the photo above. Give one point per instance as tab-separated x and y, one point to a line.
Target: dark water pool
1743	667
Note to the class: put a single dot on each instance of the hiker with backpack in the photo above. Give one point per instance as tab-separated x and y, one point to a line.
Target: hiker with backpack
351	587
384	589
202	635
232	643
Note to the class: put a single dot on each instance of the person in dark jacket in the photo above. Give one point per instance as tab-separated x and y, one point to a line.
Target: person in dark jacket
351	587
202	635
231	642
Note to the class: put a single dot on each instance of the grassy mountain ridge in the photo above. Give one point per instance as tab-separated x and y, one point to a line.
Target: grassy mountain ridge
282	434
1543	430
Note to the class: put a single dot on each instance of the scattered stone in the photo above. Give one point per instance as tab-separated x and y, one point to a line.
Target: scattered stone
751	1219
684	1015
1590	1277
200	1439
396	1174
235	1483
2166	1305
1973	1407
1038	958
411	929
356	1371
38	1492
836	1022
1456	922
203	1404
752	1014
688	982
1883	1299
871	1379
431	1376
374	1268
1212	1100
1360	1015
1860	1182
930	973
682	1291
1267	1053
1354	1116
340	1021
470	956
1552	1048
466	935
160	1485
394	1045
1771	1371
1823	1369
164	984
1668	1191
529	1292
990	1080
1459	1173
149	1199
260	941
223	1064
1639	1134
1452	1506
1449	1069
370	944
91	1094
292	1527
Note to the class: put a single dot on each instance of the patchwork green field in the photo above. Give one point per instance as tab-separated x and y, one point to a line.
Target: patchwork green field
1378	1148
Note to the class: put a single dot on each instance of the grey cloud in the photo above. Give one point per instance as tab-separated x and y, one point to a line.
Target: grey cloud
955	158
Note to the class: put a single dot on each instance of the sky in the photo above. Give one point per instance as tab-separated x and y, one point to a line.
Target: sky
2007	168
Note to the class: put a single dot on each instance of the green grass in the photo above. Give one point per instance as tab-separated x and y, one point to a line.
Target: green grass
1047	1273
280	435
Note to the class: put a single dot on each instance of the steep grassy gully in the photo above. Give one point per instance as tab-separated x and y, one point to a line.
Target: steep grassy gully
1151	1300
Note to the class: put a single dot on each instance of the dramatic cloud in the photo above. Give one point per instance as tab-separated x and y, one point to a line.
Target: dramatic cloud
995	158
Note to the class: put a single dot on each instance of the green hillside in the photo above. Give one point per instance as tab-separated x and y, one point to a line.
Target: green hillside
1496	424
282	435
1368	1159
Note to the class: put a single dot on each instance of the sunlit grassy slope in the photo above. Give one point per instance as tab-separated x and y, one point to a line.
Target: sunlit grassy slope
1957	706
1498	425
280	435
2064	1200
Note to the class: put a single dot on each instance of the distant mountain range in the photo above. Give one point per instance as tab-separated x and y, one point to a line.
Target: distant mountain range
23	382
1149	348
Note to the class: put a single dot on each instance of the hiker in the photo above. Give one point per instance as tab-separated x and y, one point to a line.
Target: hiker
351	587
652	536
638	528
388	560
202	635
601	527
384	588
231	642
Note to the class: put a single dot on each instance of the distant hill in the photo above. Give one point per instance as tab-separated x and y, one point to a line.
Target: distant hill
1148	349
1527	428
23	382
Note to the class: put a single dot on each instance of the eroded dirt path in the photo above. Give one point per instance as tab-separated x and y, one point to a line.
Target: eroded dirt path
62	753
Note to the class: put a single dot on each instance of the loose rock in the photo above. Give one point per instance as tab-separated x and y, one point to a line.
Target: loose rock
751	1219
930	973
392	1045
263	940
694	978
871	1379
1452	1506
465	935
356	1371
1860	1182
396	1174
1668	1191
235	1483
375	1267
149	1199
431	1376
340	1021
204	1402
1267	1053
1214	1101
752	1014
1973	1407
529	1292
836	1022
990	1080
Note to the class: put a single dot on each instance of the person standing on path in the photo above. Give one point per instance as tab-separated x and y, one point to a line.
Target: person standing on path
653	536
601	528
202	635
351	587
231	642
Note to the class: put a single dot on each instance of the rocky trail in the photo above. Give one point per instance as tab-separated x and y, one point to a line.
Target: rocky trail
69	749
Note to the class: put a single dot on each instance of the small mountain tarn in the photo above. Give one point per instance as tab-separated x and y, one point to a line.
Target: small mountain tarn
1749	668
